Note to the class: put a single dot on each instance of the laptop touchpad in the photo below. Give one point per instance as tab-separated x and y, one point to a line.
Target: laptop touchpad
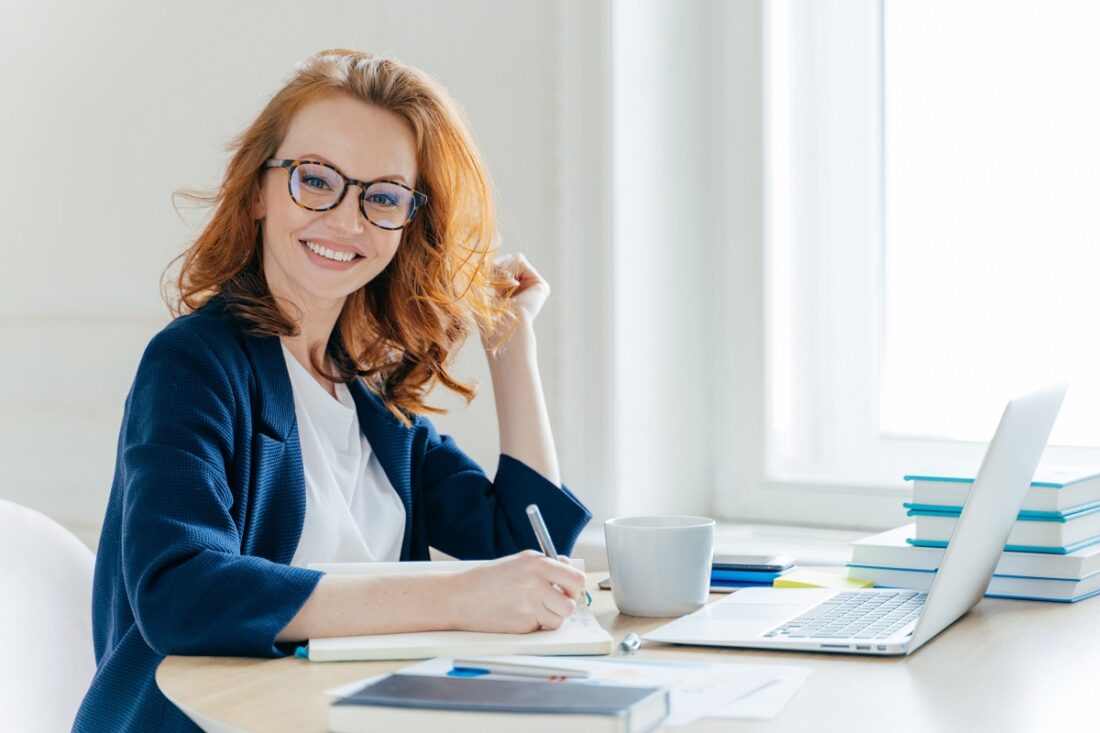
752	611
742	616
720	622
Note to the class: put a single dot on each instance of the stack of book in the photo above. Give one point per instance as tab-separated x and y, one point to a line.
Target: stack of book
1052	553
730	571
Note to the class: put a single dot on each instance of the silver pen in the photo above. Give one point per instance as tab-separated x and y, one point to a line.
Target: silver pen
541	532
547	544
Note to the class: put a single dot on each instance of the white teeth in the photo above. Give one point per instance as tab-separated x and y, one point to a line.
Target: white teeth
329	254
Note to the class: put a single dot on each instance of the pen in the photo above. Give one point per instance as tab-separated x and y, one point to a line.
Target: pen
542	534
474	667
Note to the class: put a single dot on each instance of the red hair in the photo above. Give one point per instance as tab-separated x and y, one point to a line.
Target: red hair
400	331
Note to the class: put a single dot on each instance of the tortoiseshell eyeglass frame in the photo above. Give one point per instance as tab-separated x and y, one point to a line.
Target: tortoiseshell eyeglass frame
419	199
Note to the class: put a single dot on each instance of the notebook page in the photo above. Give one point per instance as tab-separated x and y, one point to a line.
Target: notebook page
580	634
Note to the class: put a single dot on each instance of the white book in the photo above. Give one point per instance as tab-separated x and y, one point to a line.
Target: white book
1029	534
1053	489
891	549
580	634
1001	586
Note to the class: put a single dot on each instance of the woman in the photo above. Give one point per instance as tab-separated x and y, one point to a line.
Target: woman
279	420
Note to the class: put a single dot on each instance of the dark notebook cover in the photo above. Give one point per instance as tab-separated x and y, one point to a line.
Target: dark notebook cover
515	696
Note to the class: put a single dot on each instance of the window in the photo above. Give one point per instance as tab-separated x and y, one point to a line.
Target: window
930	246
991	173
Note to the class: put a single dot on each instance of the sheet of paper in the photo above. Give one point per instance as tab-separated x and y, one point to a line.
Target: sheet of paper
768	701
696	689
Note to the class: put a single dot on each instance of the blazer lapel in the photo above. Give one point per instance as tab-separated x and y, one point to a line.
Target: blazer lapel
280	499
273	382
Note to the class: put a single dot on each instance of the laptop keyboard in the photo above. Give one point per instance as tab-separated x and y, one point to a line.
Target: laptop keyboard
876	615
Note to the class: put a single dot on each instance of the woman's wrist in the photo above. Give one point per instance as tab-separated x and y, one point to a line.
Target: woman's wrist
451	601
426	602
521	344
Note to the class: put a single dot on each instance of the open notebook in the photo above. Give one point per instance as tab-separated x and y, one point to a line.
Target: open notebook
580	634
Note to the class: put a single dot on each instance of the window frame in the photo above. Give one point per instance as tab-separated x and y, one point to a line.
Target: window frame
805	443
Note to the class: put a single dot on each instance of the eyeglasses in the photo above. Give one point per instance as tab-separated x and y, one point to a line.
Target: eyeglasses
319	186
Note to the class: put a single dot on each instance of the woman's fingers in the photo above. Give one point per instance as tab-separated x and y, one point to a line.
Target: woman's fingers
558	585
520	285
513	262
519	269
518	594
560	605
568	578
508	266
547	619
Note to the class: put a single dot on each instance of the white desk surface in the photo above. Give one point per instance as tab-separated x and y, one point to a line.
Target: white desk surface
1005	666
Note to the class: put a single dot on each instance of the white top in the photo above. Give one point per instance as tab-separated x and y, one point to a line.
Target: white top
353	513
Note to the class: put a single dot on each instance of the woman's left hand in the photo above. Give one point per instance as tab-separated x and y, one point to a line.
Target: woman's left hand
531	290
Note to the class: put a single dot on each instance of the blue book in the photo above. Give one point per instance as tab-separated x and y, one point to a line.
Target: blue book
752	576
726	586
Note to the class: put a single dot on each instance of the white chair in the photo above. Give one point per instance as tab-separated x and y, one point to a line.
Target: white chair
46	655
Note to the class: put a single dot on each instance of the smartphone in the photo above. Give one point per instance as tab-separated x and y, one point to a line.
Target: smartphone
755	563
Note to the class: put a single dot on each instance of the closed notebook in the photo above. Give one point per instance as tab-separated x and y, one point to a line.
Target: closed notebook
461	705
579	634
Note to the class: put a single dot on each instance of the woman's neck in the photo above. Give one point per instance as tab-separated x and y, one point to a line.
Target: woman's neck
314	330
302	351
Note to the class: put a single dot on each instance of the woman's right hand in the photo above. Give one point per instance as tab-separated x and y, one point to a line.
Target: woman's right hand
516	594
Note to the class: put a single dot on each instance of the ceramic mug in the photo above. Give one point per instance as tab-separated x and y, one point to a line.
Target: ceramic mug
660	565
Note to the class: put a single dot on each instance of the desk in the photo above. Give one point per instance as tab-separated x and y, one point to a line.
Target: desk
1005	666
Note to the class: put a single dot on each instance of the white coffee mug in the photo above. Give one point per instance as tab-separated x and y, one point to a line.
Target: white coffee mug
660	565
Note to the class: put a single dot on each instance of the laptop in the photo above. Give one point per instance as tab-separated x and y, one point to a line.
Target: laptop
893	621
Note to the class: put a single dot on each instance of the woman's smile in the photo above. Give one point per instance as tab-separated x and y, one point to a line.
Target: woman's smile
328	255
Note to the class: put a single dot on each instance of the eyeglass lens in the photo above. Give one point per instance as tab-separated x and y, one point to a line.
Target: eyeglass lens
319	188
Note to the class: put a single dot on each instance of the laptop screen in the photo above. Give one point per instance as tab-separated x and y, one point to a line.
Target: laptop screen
990	511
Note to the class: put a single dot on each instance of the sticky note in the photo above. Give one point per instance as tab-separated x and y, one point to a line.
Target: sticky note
819	579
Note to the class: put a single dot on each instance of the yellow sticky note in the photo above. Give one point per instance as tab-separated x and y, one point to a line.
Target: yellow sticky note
819	579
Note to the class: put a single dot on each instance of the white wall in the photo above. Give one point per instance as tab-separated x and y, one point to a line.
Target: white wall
687	273
660	274
593	116
110	107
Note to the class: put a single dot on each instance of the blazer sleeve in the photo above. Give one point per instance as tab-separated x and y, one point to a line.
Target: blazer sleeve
191	590
472	517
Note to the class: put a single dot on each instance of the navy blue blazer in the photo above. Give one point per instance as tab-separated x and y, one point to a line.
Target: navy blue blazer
208	502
